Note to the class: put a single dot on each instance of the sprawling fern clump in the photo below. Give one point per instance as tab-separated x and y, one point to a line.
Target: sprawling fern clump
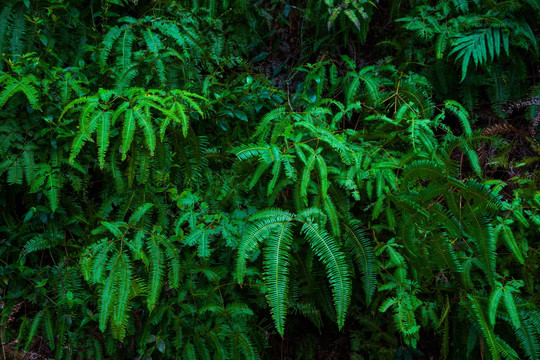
354	179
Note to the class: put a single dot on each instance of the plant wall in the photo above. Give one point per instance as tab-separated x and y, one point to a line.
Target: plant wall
269	179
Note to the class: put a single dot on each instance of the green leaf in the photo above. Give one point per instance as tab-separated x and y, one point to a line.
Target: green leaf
327	250
139	213
201	237
241	115
479	319
123	273
267	222
52	189
276	263
156	272
360	247
146	124
103	133
128	132
306	173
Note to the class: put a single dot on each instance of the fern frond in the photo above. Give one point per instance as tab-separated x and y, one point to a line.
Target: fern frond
25	86
323	176
147	127
509	239
472	156
33	329
267	223
38	243
124	275
108	42
275	115
106	302
113	227
481	45
103	132
480	232
479	320
201	237
189	352
246	346
49	329
247	151
494	300
528	336
15	172
359	245
306	173
461	113
128	132
276	263
327	250
6	18
369	76
156	272
332	215
139	213
276	169
506	350
53	188
422	169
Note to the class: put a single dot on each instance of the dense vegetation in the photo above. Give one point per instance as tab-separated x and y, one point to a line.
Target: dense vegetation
269	179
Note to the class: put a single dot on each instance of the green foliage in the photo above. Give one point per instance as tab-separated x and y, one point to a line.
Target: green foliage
137	108
274	227
487	35
178	183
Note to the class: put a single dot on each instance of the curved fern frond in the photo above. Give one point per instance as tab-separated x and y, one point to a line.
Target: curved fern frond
529	335
480	232
247	151
103	132
123	275
276	264
503	229
267	222
359	245
422	169
479	320
481	45
143	119
461	113
306	174
201	237
327	250
38	243
26	85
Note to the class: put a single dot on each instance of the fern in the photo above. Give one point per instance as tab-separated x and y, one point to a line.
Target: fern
510	303
326	248
136	109
265	227
461	113
156	258
479	319
528	335
26	85
277	262
201	237
358	244
38	243
6	18
504	230
275	225
480	45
